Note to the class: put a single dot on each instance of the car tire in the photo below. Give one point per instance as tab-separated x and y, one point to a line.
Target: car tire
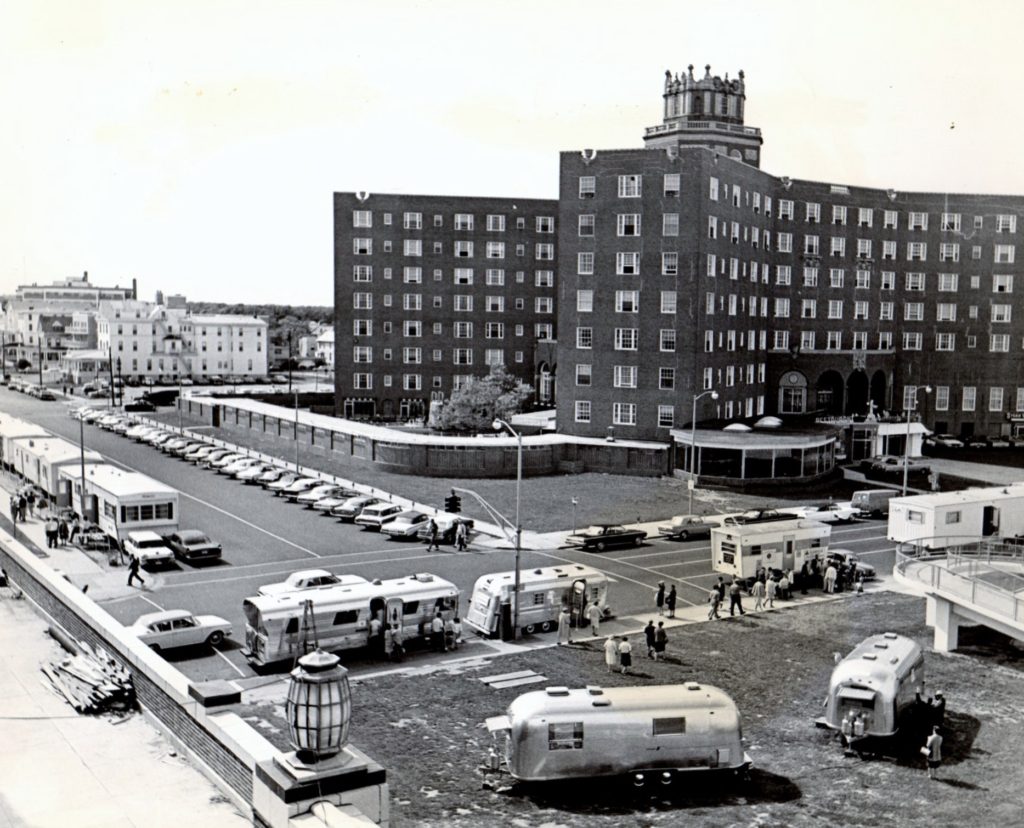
530	629
600	546
636	541
215	639
684	535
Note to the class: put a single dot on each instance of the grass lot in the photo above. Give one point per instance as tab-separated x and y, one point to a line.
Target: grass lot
427	729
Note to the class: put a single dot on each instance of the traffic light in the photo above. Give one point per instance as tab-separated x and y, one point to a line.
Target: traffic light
453	503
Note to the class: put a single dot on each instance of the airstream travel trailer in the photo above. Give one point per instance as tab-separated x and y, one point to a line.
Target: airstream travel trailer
341	614
936	521
872	692
651	732
544	592
740	551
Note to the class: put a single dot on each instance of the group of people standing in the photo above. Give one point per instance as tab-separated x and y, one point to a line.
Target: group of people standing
666	602
58	529
434	536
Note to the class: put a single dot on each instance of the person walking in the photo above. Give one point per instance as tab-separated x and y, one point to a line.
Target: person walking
660	642
625	655
14	508
76	527
831	575
51	532
649	637
720	586
670	601
432	529
770	589
715	599
611	653
564	630
933	751
22	506
437	633
594	614
62	532
31	498
758	591
784	583
133	571
461	536
456	633
659	598
735	599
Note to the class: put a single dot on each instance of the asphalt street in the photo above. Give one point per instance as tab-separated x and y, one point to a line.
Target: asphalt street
265	538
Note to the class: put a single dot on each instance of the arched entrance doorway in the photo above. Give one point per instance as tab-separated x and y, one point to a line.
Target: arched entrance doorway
545	384
857	393
792	393
878	391
830	393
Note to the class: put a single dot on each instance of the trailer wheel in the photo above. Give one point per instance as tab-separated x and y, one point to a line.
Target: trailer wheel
530	629
545	626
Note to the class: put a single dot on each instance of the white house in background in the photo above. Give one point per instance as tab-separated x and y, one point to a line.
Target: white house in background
228	345
325	347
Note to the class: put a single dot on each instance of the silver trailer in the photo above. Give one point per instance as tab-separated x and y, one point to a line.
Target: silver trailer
653	733
873	691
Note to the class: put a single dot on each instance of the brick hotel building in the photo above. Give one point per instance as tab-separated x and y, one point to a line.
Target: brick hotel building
682	267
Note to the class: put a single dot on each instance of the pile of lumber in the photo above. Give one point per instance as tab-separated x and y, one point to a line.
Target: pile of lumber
91	680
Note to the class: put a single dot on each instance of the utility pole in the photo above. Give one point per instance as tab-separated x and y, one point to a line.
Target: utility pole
40	359
110	370
290	362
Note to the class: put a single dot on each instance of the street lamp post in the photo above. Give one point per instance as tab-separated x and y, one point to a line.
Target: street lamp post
575	503
498	424
693	443
911	404
296	430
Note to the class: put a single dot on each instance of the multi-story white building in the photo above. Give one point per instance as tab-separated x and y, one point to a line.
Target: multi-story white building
227	344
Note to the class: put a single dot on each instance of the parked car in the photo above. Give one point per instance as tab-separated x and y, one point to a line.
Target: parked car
891	463
375	516
191	545
213	454
309	579
143	406
170	629
297	487
47	394
988	442
183	451
121	427
311	496
174	443
232	469
326	504
944	440
225	460
198	455
446	528
158	437
251	473
844	557
685	527
349	509
279	480
755	516
405	524
137	432
831	513
149	548
604	535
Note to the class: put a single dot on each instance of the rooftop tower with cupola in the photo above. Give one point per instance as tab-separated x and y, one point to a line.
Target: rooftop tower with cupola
707	113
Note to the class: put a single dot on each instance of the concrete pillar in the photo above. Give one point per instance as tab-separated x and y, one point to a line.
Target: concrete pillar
929	611
947	626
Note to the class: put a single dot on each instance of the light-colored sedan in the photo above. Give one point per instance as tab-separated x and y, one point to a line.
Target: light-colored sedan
169	629
297	487
406	524
310	579
308	498
252	473
149	548
845	556
832	513
158	438
232	469
224	460
280	481
351	508
174	443
199	454
374	517
326	504
138	432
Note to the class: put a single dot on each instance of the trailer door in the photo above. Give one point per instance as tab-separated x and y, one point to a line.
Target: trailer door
990	521
578	602
394	610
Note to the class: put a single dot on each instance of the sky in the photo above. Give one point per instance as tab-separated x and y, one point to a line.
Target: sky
194	145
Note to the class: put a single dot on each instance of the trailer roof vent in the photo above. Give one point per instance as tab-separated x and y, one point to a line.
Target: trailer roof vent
557	691
692	685
870	656
594	690
881	645
537	572
891	636
377	582
425	577
601	702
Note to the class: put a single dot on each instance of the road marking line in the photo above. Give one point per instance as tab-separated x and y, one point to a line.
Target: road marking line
234	666
151	601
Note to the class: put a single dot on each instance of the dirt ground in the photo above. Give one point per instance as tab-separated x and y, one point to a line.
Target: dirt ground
427	730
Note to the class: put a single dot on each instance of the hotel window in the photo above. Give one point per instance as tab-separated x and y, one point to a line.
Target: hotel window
629	186
666	416
362	301
951	222
834	341
463	275
462	356
628	224
976	253
520	330
813	212
808	309
668	301
1006	224
669	264
464	249
1002	283
709	303
587	188
835	309
947	282
860	310
915	281
362	382
968	398
545	224
624	414
885	340
807	340
812	246
544	278
972	341
835	277
520	303
362	218
942	398
412	221
362	247
1001	313
734	235
1019	407
412	382
463	221
583	374
627	264
889	251
362	327
362	354
625	339
586	225
945	342
783	274
917	251
860	340
708	379
781	308
999	343
627	301
670	224
666	379
712	227
672	186
494	304
865	216
785	209
913	311
624	376
585	338
1004	254
585	264
995	399
667	340
582	411
712	265
917	221
362	273
949	252
463	302
412	356
412	328
494	356
890	220
863	248
709	341
838	247
780	341
495	250
713	188
945	312
838	215
412	301
545	252
494	330
785	242
495	276
495	223
544	304
810	277
912	341
862	279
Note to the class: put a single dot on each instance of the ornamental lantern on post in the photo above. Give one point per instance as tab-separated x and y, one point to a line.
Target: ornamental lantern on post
319	706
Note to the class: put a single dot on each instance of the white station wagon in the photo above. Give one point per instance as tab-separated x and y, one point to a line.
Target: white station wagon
179	628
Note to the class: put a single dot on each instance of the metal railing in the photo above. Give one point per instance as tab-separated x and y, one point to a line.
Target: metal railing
701	125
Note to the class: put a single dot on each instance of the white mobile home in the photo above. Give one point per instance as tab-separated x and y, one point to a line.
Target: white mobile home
740	550
544	592
944	519
40	459
121	501
11	429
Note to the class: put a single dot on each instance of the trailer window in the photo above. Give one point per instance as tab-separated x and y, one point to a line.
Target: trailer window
755	549
728	552
953	517
674	726
538	598
410	608
346	617
292	626
565	736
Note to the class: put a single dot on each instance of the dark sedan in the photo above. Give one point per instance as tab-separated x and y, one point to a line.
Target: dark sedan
193	546
603	536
